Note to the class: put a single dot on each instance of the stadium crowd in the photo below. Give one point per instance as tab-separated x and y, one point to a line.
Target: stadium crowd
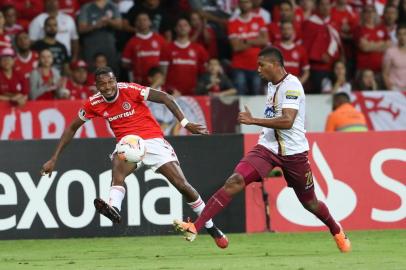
49	48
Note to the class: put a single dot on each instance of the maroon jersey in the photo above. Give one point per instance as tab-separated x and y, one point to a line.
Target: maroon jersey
185	62
143	52
127	114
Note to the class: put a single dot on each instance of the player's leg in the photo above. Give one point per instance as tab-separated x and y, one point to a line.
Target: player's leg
173	172
298	175
120	170
243	174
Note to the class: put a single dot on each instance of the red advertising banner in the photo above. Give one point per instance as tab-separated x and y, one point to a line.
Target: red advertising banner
48	119
360	176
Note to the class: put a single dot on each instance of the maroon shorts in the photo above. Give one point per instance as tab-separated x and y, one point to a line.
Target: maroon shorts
260	161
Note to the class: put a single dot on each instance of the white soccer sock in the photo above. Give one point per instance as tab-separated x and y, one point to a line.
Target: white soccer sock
116	196
197	207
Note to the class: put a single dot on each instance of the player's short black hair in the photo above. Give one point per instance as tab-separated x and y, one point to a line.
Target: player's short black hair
154	70
98	54
7	8
273	53
103	71
342	96
287	2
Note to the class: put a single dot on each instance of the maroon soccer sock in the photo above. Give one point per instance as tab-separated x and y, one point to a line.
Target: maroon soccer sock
324	215
216	203
321	211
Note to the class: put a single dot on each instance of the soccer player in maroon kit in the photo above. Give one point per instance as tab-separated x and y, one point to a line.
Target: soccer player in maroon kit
282	143
117	103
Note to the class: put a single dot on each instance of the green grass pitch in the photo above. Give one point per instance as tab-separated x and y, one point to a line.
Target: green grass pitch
381	250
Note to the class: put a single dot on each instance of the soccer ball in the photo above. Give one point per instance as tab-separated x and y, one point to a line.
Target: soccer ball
131	148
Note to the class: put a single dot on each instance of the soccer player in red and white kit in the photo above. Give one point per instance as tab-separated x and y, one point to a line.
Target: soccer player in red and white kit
282	143
123	106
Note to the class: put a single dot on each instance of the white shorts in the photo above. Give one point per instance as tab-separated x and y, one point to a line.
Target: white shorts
158	152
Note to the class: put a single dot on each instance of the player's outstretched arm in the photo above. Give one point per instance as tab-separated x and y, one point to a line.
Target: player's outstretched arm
285	121
170	102
66	137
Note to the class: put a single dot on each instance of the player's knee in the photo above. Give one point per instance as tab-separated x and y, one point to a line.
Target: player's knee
310	206
234	184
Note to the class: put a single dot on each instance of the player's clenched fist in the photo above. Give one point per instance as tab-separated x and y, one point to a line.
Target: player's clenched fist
245	117
195	128
48	167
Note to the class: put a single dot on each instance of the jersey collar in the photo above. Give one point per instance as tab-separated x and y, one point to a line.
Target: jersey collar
113	100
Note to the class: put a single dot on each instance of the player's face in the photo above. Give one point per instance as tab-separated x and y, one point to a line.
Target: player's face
79	75
143	23
106	84
7	62
183	28
46	58
286	11
51	28
265	68
245	5
23	41
287	31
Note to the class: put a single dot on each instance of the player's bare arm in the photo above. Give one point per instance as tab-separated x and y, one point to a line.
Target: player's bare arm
66	137
285	121
169	101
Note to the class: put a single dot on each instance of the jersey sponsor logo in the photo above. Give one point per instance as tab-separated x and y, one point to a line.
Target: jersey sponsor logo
96	102
148	53
292	94
105	114
180	61
121	115
126	106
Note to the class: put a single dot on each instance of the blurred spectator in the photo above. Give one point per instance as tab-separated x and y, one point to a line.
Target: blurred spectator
258	10
11	27
161	22
346	21
308	7
45	81
215	82
372	40
216	12
13	87
156	78
143	51
59	51
183	61
247	35
339	82
394	63
286	15
298	15
100	60
70	7
5	40
323	44
67	33
390	17
27	59
78	85
344	116
203	34
26	9
295	56
366	81
97	22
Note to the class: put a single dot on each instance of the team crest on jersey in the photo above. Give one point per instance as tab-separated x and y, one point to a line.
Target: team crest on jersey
192	53
154	44
254	26
295	55
105	114
380	34
126	106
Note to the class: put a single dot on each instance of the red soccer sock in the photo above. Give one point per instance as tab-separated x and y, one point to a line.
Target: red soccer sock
216	203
